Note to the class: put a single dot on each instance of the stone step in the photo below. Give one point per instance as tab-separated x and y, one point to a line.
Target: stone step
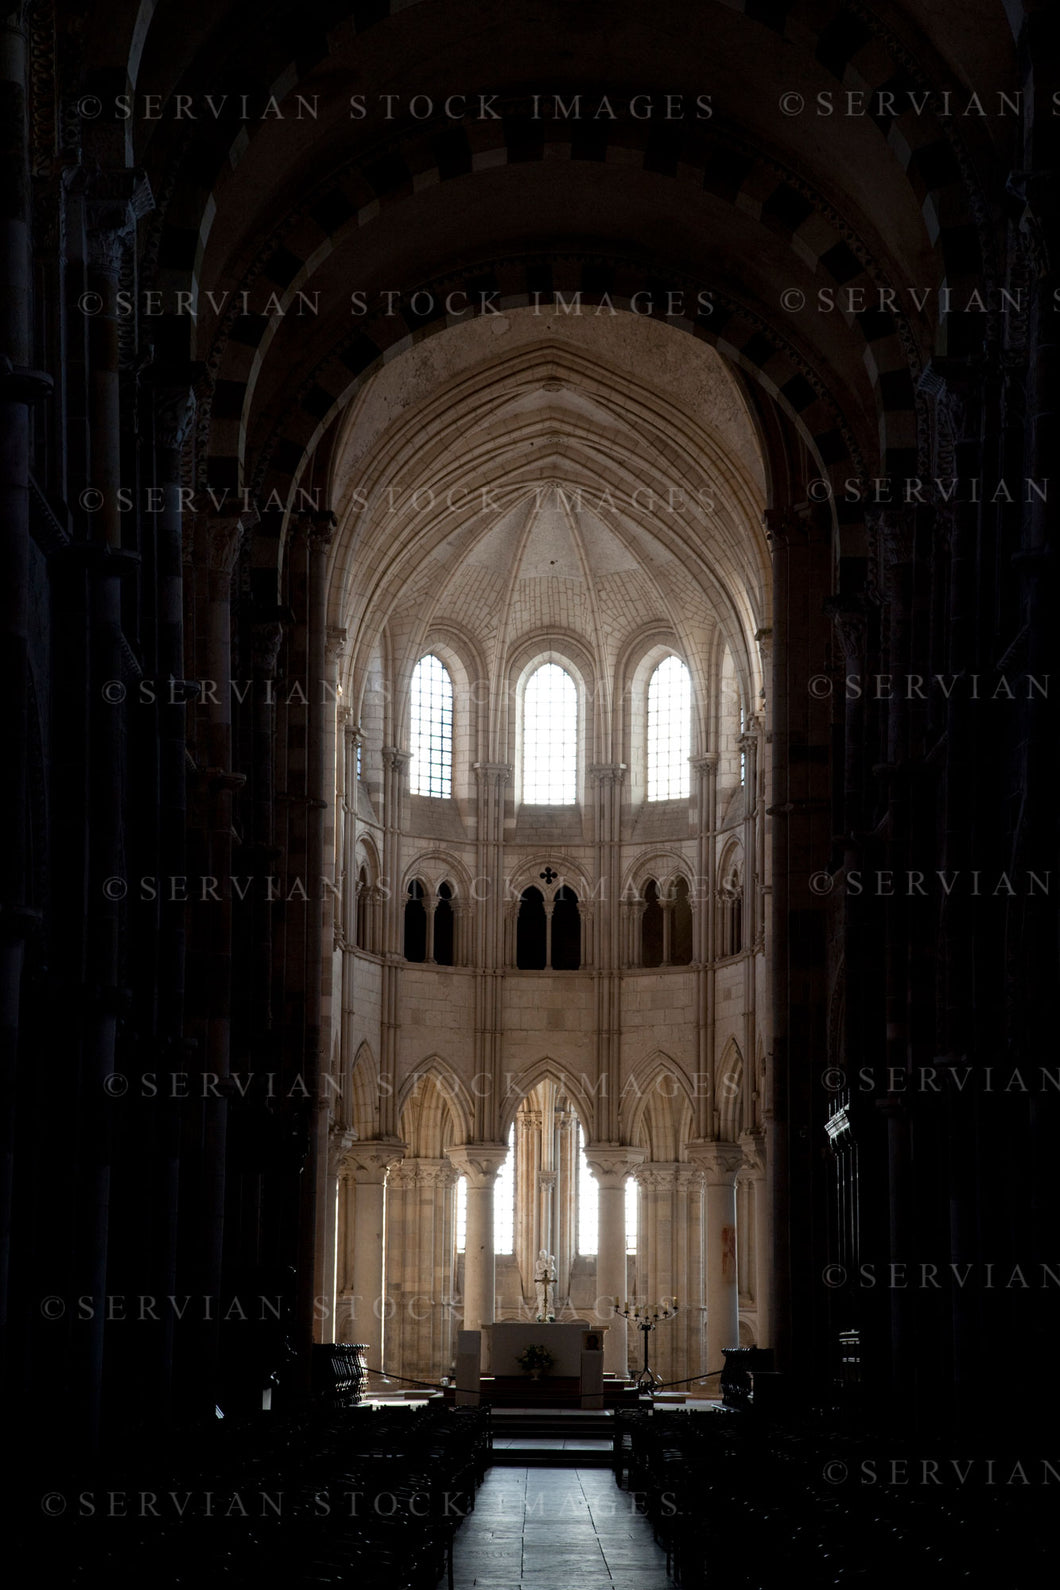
555	1437
551	1452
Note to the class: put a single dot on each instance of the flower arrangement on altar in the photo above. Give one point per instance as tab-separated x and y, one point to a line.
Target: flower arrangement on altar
535	1360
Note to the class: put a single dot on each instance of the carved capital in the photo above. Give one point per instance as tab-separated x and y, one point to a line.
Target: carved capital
893	531
784	525
850	615
115	201
719	1162
496	774
266	637
658	1175
175	409
317	529
754	1151
395	759
370	1161
611	1163
607	772
479	1162
335	643
340	1140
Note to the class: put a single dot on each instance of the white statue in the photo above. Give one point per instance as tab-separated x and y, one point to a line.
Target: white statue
544	1278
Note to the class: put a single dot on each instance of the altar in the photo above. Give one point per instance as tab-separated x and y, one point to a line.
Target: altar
566	1340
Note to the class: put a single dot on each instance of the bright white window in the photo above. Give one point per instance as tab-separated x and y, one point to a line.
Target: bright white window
631	1214
461	1214
669	731
431	767
588	1201
550	738
504	1202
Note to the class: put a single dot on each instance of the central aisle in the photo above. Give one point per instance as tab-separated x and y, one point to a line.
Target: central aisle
551	1529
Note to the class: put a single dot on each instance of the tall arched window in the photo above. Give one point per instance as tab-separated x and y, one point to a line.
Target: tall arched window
550	738
669	731
460	1220
632	1214
504	1201
431	767
588	1202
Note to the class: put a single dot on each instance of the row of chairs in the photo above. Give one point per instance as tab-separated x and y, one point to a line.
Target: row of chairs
338	1496
741	1503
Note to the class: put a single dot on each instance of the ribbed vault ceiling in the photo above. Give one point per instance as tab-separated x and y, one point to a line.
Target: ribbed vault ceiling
530	480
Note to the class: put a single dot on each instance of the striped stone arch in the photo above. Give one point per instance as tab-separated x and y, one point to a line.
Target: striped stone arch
853	46
748	340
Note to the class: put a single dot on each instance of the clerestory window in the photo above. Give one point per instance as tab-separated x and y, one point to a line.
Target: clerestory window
550	738
669	731
431	736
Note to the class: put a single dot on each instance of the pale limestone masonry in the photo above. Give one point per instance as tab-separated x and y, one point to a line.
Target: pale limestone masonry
581	538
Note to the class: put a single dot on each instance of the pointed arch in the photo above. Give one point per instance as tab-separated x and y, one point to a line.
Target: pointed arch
728	1091
434	1109
364	1093
657	1107
546	1069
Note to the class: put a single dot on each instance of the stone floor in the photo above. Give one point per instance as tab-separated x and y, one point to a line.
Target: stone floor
544	1443
553	1529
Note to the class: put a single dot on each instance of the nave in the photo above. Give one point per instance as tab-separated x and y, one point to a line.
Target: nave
555	1528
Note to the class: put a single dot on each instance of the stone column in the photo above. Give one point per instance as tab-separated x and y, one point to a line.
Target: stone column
462	924
611	1163
754	1147
720	1163
335	1241
603	950
661	1259
667	906
395	768
546	1185
369	1163
19	388
479	1163
491	939
704	917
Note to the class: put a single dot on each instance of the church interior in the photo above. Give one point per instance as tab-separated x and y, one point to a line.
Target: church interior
528	893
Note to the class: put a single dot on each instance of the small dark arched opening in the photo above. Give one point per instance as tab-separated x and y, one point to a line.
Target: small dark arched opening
415	923
530	934
443	926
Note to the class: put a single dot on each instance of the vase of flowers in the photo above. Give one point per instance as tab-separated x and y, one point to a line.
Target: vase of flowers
535	1361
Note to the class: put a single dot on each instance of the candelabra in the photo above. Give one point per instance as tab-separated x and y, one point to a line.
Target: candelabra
646	1318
